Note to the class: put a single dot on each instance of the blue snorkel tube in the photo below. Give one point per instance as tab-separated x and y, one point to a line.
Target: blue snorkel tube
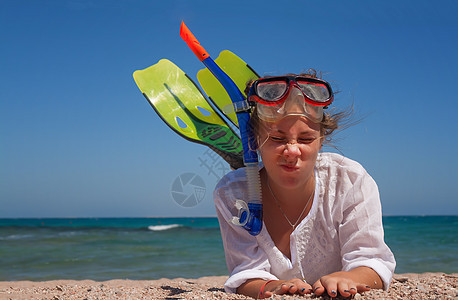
250	215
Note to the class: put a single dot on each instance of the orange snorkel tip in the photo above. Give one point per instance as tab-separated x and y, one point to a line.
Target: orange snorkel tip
192	42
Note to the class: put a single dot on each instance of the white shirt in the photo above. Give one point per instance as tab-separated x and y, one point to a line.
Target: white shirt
342	231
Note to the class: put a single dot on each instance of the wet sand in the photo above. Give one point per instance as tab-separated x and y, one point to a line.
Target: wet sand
404	286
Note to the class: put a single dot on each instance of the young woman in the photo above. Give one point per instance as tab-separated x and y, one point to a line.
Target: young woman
322	216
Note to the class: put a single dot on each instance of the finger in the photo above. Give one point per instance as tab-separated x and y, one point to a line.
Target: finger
318	288
332	292
331	288
330	285
287	288
281	289
306	289
343	289
295	286
302	286
362	288
353	290
293	289
267	294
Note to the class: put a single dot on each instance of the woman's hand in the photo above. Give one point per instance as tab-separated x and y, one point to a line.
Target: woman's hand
282	287
260	289
348	283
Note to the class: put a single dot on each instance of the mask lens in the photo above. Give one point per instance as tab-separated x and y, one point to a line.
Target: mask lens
314	90
271	91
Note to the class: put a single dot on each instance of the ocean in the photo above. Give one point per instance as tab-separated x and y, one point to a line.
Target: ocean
153	248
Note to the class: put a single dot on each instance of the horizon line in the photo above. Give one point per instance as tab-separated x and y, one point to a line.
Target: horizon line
207	216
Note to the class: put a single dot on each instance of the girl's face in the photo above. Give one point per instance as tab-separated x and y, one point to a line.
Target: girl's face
289	149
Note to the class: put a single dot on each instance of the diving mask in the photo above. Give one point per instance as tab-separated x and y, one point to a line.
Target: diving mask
281	96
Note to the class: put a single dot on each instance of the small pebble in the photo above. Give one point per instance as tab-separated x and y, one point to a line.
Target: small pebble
421	288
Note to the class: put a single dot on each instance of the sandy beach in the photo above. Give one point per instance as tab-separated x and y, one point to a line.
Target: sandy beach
404	286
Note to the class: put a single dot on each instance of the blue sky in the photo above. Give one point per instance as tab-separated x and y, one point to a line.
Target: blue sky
77	138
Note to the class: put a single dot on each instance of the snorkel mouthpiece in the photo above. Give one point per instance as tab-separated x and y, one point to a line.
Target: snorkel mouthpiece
250	215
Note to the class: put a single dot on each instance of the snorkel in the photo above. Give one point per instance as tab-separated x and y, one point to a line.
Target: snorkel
250	215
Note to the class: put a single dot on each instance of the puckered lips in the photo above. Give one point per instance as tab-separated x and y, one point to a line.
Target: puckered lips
289	167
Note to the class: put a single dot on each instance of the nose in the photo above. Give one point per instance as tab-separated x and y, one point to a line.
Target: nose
292	150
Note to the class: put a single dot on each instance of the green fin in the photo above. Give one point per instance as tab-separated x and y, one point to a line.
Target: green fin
183	107
238	70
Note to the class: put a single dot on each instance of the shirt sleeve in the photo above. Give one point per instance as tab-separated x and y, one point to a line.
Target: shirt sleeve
361	231
245	259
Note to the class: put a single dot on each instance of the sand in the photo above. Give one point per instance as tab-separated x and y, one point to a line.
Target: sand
404	286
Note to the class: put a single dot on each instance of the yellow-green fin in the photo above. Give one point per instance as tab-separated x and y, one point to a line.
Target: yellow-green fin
183	107
238	70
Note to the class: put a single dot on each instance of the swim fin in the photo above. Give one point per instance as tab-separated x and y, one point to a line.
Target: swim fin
238	70
183	107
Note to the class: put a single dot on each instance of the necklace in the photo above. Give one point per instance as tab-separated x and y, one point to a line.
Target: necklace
278	204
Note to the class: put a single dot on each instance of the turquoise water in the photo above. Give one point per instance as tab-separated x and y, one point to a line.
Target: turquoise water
423	243
152	248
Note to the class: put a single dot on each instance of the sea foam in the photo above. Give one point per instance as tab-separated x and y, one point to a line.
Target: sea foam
163	227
